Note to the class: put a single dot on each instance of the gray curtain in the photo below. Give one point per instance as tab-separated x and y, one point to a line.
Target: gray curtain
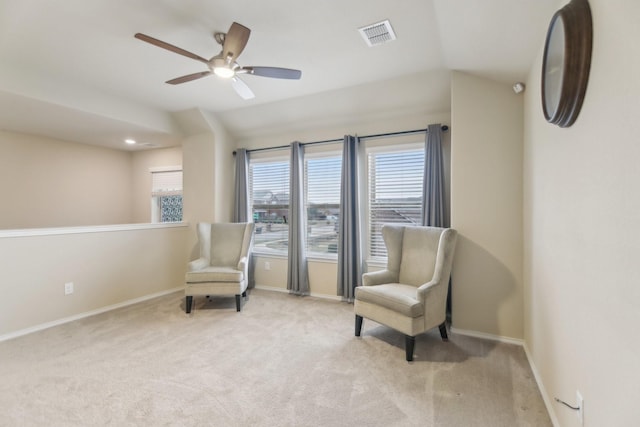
241	202
297	274
349	255
433	187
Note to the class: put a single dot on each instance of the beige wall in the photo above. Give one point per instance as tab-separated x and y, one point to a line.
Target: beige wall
52	183
64	184
486	206
141	163
107	268
208	174
198	153
208	171
223	170
582	221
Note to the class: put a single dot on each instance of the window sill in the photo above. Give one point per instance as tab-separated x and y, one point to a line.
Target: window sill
31	232
320	259
269	255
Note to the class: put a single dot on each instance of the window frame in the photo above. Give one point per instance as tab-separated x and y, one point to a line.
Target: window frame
158	193
276	156
328	151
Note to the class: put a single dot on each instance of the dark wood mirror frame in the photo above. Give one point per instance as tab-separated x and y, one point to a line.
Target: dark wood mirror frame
571	31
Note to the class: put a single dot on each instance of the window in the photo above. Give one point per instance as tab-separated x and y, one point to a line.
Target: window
166	194
322	174
395	179
269	193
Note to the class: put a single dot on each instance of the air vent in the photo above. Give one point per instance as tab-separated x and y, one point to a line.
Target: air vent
148	145
378	33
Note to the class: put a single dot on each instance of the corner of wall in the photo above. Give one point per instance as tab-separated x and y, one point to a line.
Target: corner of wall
486	206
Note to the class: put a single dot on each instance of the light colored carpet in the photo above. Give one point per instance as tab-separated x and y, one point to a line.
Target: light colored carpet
282	361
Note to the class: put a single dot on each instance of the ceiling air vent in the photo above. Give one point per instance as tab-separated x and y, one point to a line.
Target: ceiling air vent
378	33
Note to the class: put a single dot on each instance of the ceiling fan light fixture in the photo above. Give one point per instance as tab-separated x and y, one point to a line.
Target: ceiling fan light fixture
224	72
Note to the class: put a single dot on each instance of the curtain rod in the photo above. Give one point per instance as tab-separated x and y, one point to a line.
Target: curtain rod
328	141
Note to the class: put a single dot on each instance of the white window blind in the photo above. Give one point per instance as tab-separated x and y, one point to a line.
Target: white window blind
395	179
166	183
322	173
269	193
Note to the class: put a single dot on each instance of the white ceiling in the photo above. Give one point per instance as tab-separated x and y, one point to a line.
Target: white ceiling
71	69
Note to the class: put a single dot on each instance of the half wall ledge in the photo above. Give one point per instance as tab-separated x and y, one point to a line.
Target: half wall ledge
30	232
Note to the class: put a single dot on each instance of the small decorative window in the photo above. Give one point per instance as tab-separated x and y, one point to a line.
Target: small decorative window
166	194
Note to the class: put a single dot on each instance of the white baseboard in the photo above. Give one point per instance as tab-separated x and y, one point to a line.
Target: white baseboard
487	336
548	401
47	325
272	289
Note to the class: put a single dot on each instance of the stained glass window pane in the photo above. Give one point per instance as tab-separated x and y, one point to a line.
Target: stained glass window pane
171	208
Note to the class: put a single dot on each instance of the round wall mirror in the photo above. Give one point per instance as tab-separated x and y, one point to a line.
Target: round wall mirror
566	63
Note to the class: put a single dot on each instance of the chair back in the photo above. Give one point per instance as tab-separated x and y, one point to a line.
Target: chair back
412	252
223	244
419	252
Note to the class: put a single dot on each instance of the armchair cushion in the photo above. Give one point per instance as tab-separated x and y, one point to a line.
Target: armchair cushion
215	274
394	296
198	264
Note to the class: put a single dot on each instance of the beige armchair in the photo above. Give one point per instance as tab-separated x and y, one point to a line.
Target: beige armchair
223	265
410	295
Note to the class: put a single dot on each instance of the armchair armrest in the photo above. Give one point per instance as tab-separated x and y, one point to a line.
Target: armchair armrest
430	286
379	278
198	264
243	264
425	289
433	296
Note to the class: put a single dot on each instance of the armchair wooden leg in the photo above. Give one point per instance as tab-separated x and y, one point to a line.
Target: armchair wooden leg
238	303
187	304
409	343
358	325
443	332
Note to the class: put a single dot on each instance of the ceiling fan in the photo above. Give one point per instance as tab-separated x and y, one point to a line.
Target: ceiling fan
224	64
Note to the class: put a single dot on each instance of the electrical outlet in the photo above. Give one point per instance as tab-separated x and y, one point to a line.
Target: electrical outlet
267	266
580	405
68	288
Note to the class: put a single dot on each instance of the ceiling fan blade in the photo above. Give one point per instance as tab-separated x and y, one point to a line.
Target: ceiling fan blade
170	47
188	77
235	41
273	72
241	88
